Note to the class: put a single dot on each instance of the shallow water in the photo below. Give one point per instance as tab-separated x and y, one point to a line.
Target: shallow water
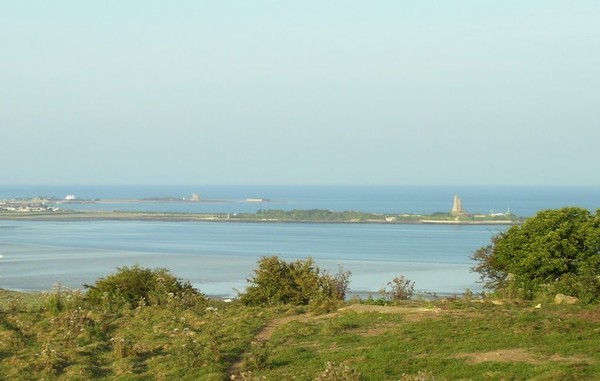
219	257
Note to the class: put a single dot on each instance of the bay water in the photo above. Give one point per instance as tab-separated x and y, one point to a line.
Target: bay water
218	258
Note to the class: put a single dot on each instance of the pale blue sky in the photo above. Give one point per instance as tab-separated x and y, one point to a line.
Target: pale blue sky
300	92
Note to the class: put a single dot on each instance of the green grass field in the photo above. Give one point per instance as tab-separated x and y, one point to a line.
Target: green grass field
455	339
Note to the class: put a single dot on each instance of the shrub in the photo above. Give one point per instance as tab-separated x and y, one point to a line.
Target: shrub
134	286
297	283
336	286
401	288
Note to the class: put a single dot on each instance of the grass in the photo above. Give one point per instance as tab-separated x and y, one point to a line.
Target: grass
553	345
439	340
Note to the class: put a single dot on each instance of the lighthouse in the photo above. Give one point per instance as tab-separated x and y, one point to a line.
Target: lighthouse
457	208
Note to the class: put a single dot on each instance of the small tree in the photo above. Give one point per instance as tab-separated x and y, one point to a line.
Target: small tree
401	288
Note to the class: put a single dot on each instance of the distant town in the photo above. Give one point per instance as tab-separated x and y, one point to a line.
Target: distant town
27	205
51	204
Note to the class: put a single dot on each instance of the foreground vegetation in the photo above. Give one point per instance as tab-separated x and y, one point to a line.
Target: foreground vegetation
452	339
292	322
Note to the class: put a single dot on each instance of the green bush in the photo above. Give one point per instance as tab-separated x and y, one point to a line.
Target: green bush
555	250
296	283
134	286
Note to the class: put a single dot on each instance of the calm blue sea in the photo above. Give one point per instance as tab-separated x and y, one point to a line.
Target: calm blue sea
219	257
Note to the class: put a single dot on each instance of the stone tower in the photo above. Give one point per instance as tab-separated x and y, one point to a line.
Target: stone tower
457	209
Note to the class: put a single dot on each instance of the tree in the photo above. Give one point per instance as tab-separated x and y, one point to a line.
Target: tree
557	250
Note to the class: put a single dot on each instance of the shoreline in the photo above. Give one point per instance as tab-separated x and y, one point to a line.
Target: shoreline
69	216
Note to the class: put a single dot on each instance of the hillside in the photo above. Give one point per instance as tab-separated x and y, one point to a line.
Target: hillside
57	336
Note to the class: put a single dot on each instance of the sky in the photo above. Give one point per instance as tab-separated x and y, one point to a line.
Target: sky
300	92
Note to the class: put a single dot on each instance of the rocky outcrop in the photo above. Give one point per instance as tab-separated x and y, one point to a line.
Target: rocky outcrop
565	299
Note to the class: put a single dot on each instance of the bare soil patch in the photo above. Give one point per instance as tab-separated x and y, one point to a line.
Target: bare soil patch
519	355
376	331
266	333
418	311
502	355
593	315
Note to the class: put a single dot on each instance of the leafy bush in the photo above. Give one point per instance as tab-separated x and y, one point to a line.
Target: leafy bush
556	249
134	286
297	283
400	288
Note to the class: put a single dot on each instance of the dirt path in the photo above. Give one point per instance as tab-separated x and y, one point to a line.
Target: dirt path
264	335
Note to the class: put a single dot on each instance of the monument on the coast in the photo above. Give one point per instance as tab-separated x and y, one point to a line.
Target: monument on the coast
457	208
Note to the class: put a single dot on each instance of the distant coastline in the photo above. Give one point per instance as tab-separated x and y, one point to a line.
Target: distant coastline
524	201
268	216
51	209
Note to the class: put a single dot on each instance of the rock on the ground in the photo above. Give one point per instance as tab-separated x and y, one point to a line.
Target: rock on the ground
565	299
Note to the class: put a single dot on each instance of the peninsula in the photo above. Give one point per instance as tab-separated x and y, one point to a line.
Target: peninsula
42	210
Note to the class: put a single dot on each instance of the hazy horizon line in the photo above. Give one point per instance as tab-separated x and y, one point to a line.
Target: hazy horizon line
305	184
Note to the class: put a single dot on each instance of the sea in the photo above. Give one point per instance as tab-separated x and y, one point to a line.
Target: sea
219	258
